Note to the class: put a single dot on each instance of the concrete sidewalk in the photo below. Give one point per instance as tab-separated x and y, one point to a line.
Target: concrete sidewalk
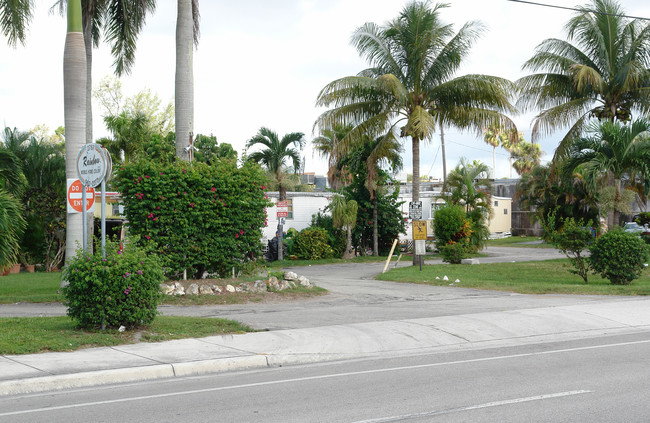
148	361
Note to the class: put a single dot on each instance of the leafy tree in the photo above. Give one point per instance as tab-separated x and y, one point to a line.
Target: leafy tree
277	151
344	215
130	131
11	227
610	154
410	84
187	37
600	71
527	155
208	150
468	186
542	191
572	239
327	144
14	19
159	116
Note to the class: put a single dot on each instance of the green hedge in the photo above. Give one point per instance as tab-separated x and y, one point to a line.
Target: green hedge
195	216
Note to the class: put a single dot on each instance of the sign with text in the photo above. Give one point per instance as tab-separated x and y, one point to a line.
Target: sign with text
282	208
415	210
419	229
75	194
91	165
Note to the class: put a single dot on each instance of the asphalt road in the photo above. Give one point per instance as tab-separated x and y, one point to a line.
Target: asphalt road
590	380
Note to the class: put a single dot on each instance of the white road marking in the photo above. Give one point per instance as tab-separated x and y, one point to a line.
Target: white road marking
472	407
303	379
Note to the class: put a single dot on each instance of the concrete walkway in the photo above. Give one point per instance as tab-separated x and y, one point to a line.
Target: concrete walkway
346	324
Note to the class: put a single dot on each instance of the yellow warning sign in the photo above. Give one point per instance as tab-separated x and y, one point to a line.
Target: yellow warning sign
419	229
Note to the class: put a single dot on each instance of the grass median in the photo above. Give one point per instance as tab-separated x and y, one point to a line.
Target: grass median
533	277
27	335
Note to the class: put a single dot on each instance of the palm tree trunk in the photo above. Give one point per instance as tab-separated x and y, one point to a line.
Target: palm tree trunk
416	184
444	156
617	199
87	35
349	253
494	162
184	78
375	231
74	98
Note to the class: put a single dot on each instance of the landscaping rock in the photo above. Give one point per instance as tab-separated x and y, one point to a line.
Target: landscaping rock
178	289
469	261
284	285
290	276
230	288
216	289
193	289
259	287
166	289
205	290
445	278
304	282
273	283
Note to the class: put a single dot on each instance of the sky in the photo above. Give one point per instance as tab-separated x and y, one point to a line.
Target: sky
263	63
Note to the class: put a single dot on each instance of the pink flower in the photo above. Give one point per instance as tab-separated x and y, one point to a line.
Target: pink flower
241	232
236	235
192	205
150	216
160	173
147	176
214	189
155	218
147	236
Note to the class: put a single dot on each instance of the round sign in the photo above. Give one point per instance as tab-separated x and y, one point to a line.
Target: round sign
91	165
75	196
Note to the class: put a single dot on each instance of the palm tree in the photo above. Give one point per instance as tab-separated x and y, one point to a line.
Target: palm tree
468	185
277	151
410	84
527	155
600	72
328	146
344	215
187	36
382	150
129	133
74	83
14	19
121	21
613	154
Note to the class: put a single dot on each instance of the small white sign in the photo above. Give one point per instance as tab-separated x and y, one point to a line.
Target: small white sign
91	165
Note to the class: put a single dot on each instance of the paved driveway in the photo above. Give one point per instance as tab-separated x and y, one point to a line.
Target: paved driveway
355	297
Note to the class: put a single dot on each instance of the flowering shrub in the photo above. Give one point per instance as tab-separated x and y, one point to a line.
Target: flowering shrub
450	225
121	289
195	217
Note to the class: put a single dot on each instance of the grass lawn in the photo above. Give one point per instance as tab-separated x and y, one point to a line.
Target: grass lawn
27	335
534	277
39	287
517	241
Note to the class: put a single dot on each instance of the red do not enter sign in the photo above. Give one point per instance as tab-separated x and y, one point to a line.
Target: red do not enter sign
75	196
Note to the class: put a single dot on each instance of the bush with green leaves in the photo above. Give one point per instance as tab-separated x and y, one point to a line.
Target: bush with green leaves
450	225
312	244
194	216
572	239
453	253
335	236
122	289
619	256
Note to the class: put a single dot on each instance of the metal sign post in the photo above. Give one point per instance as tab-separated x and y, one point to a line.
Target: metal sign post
91	170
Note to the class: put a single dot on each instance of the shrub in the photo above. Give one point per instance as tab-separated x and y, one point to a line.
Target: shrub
571	240
311	244
619	256
453	252
451	224
195	217
335	236
121	289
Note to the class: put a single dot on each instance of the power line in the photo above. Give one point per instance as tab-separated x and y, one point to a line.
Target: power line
578	9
